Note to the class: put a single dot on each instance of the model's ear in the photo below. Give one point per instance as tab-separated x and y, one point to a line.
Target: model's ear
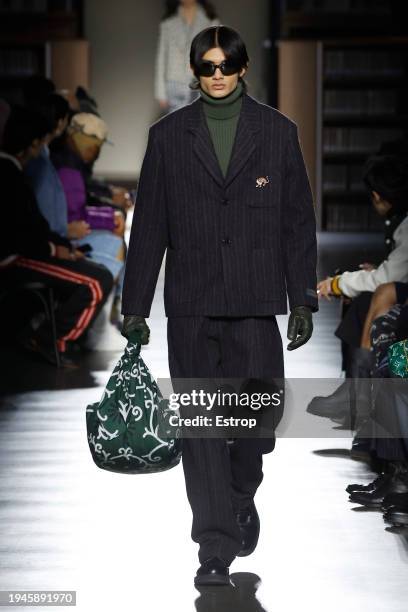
243	71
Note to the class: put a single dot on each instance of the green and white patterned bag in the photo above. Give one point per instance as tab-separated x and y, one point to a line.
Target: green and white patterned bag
123	428
398	359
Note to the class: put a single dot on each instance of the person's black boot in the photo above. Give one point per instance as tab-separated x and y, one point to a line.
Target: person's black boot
361	449
358	488
395	499
213	571
353	393
397	516
375	498
40	344
334	406
249	526
360	370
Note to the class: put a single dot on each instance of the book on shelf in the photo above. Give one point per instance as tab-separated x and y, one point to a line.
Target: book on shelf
358	103
23	6
63	6
334	177
361	7
19	62
363	63
38	6
345	140
340	218
346	218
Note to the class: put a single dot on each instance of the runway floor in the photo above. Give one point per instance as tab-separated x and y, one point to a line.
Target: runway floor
123	542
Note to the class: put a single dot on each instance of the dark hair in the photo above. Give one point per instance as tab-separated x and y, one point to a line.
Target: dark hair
388	176
172	6
53	107
227	39
35	88
87	104
22	128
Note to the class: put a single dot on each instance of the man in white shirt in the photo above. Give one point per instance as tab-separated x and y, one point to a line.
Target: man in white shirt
386	177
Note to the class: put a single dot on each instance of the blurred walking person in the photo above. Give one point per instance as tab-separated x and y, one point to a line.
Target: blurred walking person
182	20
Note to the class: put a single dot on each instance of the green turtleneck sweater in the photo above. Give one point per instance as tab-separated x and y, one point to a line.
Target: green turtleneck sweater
222	116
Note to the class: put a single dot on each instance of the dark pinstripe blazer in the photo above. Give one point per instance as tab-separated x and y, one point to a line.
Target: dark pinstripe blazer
233	247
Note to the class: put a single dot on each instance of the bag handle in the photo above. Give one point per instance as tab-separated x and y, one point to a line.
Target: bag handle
134	338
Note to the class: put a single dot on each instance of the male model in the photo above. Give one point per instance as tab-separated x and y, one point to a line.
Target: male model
224	189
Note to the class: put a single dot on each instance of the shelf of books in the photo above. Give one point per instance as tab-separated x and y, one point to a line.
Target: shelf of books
355	93
19	62
363	105
36	37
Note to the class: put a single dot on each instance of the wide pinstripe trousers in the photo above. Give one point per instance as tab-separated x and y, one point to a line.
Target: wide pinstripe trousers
222	478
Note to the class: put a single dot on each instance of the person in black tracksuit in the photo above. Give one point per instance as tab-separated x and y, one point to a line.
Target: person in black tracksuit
31	252
223	188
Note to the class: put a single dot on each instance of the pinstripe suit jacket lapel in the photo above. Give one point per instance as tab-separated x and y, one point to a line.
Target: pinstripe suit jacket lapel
244	143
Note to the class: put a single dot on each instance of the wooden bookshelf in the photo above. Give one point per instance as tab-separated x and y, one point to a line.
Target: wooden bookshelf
347	96
42	37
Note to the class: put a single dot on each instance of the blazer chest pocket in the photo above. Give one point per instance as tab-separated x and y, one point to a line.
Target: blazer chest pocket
265	190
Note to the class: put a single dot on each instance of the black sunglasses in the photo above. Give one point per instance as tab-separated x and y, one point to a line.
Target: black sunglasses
227	67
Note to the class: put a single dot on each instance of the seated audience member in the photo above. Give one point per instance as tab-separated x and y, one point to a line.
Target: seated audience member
386	178
84	139
388	299
98	191
42	174
31	252
388	424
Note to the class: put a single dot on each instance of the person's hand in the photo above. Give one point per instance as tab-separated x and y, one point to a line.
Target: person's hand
137	327
63	252
367	266
163	104
79	254
300	327
324	288
121	197
119	221
78	229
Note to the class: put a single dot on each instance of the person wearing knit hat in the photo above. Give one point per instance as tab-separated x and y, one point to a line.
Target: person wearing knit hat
224	191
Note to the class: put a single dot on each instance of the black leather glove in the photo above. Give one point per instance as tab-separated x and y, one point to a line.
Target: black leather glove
136	326
300	326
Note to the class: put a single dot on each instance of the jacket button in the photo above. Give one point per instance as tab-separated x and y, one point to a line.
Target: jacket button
226	241
225	202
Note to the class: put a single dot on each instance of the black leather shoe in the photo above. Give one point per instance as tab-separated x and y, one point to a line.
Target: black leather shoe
395	499
336	405
397	515
361	449
248	523
213	571
354	488
375	498
47	352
